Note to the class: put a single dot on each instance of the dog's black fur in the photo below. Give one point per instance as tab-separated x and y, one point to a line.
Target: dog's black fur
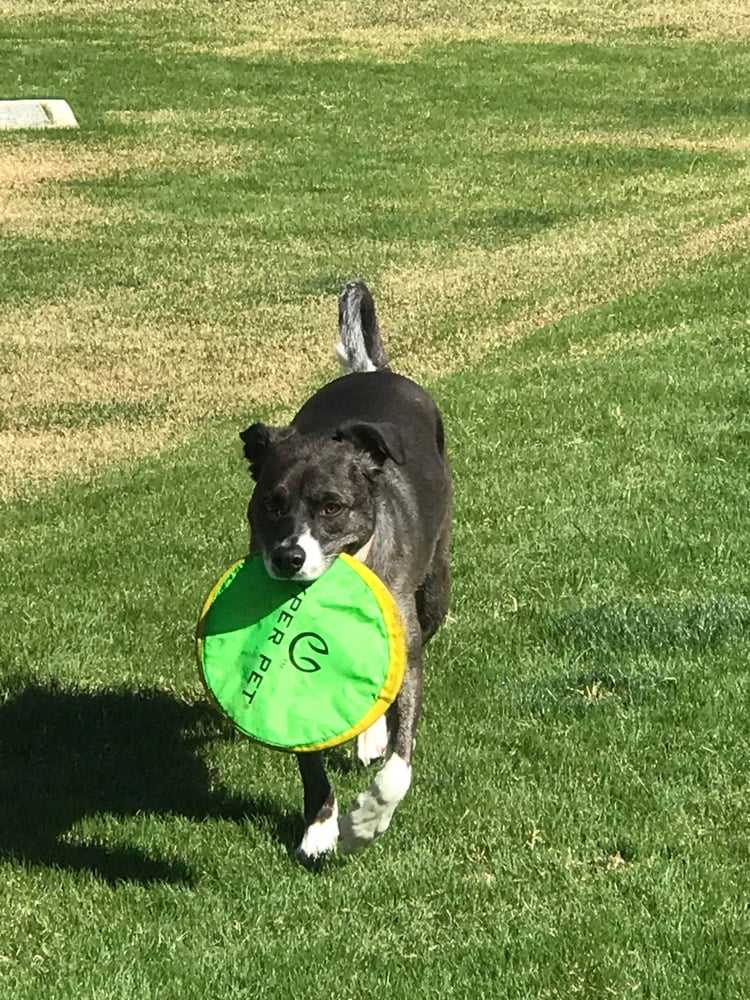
363	459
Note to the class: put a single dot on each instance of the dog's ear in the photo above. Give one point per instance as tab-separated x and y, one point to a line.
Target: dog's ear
258	439
379	441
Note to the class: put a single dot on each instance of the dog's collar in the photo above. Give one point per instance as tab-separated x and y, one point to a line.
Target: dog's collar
363	553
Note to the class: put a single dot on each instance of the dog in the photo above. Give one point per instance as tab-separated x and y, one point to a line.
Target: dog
362	469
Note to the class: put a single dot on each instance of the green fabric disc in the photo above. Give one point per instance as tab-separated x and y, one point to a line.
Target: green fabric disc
301	666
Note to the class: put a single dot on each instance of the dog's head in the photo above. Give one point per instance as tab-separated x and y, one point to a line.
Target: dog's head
315	496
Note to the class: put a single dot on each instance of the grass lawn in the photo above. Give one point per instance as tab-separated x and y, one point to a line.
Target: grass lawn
550	204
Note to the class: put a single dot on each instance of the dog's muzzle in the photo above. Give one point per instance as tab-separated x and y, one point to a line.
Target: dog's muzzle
287	560
302	558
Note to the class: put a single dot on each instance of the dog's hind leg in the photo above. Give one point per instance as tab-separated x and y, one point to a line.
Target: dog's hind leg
433	596
373	810
321	809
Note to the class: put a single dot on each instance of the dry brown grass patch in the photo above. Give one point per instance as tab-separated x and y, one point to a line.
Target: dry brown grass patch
722	239
34	198
628	139
545	280
51	213
101	349
28	163
284	25
117	349
394	27
88	352
39	458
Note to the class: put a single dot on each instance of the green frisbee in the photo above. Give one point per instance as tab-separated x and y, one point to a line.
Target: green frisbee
301	666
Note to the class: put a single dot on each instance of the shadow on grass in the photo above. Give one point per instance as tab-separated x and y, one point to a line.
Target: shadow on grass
67	755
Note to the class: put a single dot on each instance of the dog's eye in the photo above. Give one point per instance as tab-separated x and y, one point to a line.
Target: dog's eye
332	507
273	506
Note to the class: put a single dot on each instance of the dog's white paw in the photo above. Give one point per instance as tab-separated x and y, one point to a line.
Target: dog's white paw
320	837
373	742
373	810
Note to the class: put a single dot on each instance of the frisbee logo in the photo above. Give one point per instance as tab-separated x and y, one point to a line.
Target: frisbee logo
309	642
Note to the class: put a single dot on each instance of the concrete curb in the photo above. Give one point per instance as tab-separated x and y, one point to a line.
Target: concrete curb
37	113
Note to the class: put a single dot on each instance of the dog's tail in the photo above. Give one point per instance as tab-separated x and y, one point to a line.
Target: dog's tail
360	347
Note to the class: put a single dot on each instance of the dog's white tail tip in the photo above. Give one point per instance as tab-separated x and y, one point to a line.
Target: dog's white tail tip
342	357
350	365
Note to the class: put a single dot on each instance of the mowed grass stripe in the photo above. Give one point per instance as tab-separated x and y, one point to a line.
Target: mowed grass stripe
165	258
438	320
149	403
392	28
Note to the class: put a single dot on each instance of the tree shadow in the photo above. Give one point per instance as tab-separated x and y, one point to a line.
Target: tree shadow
66	755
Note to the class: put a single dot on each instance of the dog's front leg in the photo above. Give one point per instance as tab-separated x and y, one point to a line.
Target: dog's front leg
321	809
373	810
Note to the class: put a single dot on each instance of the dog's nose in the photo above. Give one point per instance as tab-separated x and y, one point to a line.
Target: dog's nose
288	559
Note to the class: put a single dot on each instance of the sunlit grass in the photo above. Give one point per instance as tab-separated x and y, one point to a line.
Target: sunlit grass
555	232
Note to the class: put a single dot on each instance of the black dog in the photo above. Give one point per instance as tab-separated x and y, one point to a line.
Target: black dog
361	469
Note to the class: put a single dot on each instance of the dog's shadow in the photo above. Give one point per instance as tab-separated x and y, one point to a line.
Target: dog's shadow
68	755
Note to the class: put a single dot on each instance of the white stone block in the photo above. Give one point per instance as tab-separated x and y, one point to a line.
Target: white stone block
37	113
